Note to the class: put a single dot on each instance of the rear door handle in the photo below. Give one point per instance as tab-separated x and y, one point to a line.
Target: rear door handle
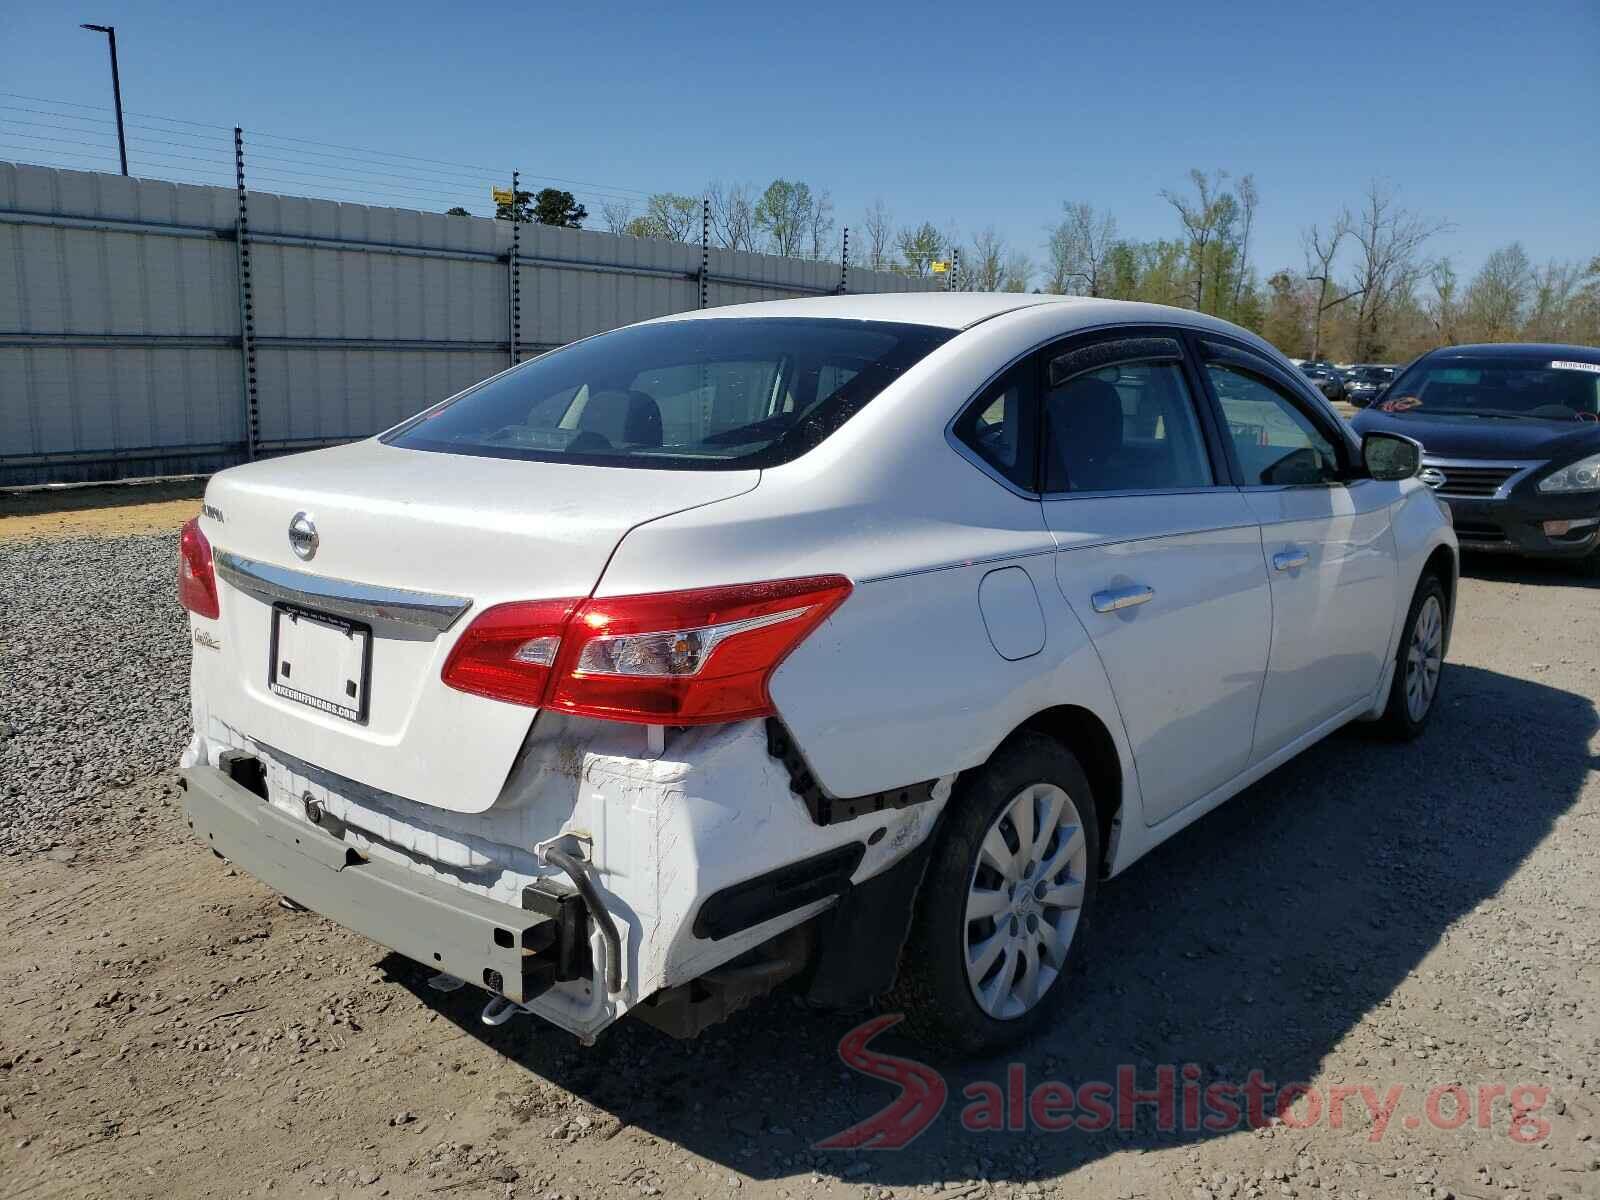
1113	599
1288	560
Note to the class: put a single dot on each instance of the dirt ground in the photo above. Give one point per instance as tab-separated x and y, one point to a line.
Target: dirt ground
1371	914
23	516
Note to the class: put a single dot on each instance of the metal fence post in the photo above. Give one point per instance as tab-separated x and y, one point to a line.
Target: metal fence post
247	308
844	264
514	281
705	252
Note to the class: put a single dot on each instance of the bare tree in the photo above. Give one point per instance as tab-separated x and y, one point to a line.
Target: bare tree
733	221
1079	247
1499	293
1390	243
1322	249
987	261
1444	309
1062	256
616	214
1018	272
879	227
820	223
1248	199
1558	291
1205	216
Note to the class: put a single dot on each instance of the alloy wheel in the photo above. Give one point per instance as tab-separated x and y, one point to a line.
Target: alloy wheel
1424	658
1024	899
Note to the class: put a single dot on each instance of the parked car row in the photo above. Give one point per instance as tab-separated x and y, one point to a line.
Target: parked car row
1365	381
1358	384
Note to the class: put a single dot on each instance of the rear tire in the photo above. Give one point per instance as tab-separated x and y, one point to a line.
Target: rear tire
1003	906
1419	663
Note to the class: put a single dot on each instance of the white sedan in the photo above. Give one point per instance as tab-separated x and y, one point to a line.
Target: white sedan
854	640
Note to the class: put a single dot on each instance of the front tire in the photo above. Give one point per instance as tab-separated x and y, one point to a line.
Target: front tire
1002	909
1419	663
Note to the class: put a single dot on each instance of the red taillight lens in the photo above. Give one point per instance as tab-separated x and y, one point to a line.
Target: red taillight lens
509	651
671	658
197	582
688	658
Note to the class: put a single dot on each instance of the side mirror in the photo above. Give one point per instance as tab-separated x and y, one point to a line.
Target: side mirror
1390	456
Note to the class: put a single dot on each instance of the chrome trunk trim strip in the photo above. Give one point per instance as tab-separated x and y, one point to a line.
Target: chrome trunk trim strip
358	601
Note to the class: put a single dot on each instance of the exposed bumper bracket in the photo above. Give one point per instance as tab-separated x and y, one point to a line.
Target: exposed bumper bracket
826	809
574	869
433	923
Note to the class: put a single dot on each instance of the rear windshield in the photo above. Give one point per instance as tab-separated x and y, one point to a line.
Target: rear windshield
1557	390
698	395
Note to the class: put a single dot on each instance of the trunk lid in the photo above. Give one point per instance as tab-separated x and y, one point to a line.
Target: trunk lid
403	539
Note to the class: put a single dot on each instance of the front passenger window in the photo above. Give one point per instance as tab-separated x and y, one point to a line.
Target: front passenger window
1130	427
1277	445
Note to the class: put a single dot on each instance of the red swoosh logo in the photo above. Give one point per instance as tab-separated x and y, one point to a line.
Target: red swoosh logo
921	1099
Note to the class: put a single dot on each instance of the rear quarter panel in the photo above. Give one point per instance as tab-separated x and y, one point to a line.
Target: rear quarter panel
902	683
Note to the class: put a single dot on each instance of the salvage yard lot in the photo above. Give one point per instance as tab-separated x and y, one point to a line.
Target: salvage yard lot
1371	914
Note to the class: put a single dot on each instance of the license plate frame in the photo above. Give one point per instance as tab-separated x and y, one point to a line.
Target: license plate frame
279	669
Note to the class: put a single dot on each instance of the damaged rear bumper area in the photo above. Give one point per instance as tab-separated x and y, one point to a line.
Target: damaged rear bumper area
676	880
516	952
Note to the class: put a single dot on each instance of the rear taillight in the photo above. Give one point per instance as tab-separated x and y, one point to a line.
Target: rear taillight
197	581
671	658
508	652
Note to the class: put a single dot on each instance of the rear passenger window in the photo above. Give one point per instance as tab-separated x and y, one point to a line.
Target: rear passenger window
999	426
1129	427
1277	445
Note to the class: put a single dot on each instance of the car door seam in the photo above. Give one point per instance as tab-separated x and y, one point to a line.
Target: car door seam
1105	673
1272	638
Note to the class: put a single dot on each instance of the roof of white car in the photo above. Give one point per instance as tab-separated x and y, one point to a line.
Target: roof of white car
952	310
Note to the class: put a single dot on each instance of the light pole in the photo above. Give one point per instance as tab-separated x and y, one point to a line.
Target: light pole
116	88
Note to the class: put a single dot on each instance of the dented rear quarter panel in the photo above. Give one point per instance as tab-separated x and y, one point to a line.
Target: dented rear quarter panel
902	683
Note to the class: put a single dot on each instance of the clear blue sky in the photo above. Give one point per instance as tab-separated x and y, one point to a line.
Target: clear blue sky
1487	115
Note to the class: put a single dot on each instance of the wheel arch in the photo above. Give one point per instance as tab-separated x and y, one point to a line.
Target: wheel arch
1442	563
1082	731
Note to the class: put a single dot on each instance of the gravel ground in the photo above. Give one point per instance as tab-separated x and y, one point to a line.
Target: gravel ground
94	655
1390	916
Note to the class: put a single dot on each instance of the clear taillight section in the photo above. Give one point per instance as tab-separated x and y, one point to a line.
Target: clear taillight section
669	658
197	581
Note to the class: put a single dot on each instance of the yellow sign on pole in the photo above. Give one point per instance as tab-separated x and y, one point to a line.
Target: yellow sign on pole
502	195
939	266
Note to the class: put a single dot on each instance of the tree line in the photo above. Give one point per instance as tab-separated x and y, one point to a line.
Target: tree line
1369	287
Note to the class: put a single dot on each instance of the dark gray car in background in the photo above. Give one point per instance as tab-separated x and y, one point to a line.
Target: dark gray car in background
1511	440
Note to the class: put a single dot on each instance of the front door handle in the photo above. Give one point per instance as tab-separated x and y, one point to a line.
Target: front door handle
1288	560
1113	599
